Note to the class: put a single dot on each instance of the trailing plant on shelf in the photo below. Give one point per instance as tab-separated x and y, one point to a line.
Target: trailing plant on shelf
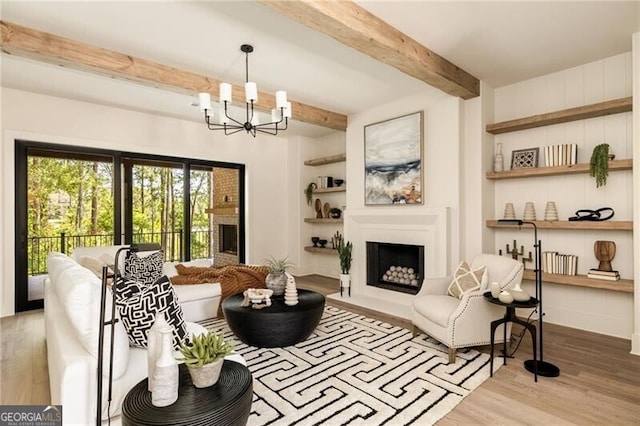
308	192
599	164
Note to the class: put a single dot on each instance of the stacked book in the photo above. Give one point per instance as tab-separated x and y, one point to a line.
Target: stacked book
603	275
561	155
557	263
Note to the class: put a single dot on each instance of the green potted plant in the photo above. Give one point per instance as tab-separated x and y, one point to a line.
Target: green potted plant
308	192
344	252
599	164
203	357
276	279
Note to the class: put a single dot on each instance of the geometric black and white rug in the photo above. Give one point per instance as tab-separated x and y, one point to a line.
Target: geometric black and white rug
357	370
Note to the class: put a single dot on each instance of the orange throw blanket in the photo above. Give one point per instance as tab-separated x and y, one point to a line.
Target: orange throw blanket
232	278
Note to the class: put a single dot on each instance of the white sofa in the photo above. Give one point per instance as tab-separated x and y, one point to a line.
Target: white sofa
198	301
72	300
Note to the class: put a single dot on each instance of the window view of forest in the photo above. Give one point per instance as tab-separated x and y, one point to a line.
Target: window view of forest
70	204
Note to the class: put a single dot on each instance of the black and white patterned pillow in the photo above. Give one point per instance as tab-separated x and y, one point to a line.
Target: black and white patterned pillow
138	305
143	269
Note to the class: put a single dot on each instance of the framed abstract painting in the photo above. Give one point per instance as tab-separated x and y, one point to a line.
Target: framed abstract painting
393	160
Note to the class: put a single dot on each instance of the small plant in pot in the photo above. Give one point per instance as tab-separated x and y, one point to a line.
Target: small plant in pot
276	279
344	252
335	213
204	356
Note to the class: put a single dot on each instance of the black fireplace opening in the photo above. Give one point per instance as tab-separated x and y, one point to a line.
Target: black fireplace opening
228	239
398	267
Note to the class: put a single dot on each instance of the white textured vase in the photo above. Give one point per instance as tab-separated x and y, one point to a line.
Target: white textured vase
495	289
345	280
519	294
154	344
291	292
505	297
498	162
165	375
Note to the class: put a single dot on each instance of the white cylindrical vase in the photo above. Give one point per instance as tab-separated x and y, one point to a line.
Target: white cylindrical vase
166	374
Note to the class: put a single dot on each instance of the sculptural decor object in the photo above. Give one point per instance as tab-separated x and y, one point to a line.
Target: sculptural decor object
604	251
599	215
258	298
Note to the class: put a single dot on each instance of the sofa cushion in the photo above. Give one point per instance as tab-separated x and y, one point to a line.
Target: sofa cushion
145	270
138	305
465	280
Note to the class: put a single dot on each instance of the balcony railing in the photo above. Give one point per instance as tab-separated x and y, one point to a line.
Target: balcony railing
172	244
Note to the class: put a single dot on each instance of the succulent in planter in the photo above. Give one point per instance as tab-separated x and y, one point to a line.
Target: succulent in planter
599	164
308	192
203	355
276	279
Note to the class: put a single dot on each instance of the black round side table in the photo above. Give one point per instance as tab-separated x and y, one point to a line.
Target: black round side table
510	316
228	402
278	325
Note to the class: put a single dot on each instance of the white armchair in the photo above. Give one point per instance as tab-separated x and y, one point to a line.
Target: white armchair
464	322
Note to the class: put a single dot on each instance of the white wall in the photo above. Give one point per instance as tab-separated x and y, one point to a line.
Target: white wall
42	118
590	309
443	130
331	144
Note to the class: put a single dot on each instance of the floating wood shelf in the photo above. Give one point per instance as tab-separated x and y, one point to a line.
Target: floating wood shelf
342	188
563	116
614	165
222	210
322	250
625	286
608	225
326	160
323	220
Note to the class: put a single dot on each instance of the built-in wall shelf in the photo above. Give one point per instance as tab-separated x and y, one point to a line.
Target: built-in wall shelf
608	225
326	160
563	116
342	188
625	286
322	220
322	250
614	165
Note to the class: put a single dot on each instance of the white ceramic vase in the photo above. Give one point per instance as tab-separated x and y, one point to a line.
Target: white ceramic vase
165	375
505	297
154	345
495	289
519	294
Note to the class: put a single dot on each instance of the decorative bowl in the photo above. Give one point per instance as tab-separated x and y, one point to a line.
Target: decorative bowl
505	297
322	243
338	182
315	240
520	295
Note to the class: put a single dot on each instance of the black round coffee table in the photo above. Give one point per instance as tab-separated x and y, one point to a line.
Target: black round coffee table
278	325
228	402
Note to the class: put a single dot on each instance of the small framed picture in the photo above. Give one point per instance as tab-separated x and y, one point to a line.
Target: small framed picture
524	158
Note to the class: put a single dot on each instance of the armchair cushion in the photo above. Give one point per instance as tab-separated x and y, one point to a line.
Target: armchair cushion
466	279
438	308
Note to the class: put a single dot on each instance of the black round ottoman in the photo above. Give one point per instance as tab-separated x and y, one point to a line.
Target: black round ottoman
278	325
228	402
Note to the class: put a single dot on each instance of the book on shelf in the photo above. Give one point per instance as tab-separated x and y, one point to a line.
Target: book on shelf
604	273
558	263
561	155
604	277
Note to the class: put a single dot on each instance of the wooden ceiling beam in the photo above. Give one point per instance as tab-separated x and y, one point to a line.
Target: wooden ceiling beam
41	46
355	27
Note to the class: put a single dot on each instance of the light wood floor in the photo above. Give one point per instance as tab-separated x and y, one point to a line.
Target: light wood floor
599	382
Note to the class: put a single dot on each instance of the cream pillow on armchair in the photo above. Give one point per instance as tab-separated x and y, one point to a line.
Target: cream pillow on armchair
465	280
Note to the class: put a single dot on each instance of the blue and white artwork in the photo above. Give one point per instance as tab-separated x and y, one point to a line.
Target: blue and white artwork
393	161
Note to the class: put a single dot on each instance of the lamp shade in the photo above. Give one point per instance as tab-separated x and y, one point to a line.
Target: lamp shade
205	101
225	92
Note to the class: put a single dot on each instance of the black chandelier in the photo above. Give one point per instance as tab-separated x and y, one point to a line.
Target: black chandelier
252	125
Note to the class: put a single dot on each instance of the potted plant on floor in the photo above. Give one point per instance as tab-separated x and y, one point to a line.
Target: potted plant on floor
276	279
204	356
344	252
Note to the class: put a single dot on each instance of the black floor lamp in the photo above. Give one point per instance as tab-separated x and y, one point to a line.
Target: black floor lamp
544	368
111	322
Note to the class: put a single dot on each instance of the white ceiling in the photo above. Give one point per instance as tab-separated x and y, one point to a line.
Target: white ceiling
498	42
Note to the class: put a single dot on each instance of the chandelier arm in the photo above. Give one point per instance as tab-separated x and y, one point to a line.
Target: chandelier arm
237	129
273	132
231	118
